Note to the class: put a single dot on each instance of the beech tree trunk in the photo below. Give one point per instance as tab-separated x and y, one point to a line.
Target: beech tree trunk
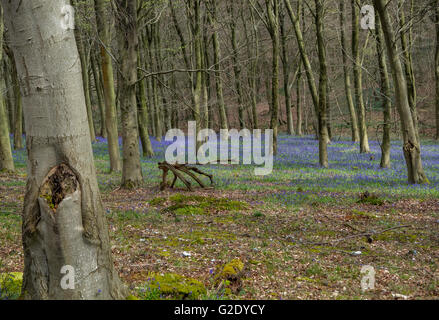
63	217
437	68
347	77
86	81
126	18
6	160
411	145
286	74
358	82
406	47
101	7
143	116
385	95
18	106
236	66
217	62
273	28
323	90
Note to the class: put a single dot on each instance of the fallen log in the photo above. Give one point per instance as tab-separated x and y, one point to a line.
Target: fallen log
178	170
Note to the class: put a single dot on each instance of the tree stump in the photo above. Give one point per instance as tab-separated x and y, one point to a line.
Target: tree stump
178	170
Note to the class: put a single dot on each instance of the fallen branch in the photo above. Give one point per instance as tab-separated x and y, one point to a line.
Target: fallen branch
177	170
363	234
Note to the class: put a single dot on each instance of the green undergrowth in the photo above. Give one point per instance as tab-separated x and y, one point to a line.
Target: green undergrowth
10	285
180	204
171	286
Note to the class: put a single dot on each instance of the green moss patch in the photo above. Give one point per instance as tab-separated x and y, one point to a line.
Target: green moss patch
10	285
171	286
230	276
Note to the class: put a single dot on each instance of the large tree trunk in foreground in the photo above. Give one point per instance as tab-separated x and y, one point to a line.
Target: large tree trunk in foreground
6	161
128	43
411	145
101	7
63	218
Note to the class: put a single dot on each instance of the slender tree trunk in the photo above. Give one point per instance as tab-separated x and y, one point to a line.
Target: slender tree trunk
9	101
98	86
322	116
236	66
254	71
6	160
406	44
18	108
304	55
217	62
286	74
385	94
128	45
299	81
205	76
358	82
63	218
197	39
101	7
143	115
273	23
86	82
437	68
347	77
411	145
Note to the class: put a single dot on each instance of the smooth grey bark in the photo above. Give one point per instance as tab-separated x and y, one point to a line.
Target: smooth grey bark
101	8
126	18
63	217
6	160
411	145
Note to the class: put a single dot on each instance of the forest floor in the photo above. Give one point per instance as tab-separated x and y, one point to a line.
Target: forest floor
302	232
